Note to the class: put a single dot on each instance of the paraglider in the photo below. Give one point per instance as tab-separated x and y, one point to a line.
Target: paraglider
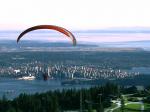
52	27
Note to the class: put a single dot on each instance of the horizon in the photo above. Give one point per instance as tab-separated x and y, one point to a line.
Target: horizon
90	36
90	21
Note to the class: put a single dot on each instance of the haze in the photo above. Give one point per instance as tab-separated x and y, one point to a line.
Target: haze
74	14
78	15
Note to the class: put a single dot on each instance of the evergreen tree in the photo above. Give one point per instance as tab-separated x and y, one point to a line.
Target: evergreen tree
122	104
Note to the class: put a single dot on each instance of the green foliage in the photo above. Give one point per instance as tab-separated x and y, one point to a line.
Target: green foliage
133	99
55	101
122	104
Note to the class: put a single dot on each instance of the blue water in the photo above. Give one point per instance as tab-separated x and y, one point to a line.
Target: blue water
141	70
11	88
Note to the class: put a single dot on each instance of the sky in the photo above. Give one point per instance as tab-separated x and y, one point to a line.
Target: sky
78	15
75	14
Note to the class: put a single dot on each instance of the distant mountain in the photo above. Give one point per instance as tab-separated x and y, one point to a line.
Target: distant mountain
11	45
29	43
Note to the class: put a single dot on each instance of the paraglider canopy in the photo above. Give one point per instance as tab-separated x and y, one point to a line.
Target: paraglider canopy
52	27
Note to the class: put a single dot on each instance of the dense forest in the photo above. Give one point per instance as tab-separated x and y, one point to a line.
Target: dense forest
70	99
98	98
